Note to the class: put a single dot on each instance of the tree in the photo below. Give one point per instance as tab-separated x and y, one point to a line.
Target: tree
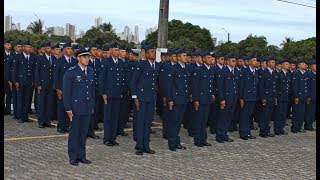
98	36
36	27
107	27
181	34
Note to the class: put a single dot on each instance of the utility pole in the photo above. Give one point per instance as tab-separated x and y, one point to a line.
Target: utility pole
162	28
228	33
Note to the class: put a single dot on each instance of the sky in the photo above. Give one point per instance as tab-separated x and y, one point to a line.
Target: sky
271	18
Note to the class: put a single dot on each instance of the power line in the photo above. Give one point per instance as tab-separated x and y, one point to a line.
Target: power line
290	2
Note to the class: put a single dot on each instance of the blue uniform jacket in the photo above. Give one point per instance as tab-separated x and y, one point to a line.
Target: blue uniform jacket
144	81
228	86
23	70
44	72
267	85
60	67
312	86
300	85
202	85
282	85
248	85
78	91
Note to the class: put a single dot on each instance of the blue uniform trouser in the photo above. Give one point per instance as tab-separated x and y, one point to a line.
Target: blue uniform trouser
23	99
175	117
280	117
111	118
8	99
298	115
134	122
165	119
236	116
62	117
14	101
98	109
212	117
266	114
33	91
143	125
186	116
224	117
201	118
290	104
191	119
124	112
244	121
78	136
45	99
309	115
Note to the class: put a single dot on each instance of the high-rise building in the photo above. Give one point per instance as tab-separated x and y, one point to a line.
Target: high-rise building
136	34
16	26
58	30
214	40
97	22
70	30
8	23
126	32
149	31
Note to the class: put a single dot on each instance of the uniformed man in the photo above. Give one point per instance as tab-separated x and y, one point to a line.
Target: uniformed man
44	86
228	90
56	51
124	101
61	66
74	48
78	99
202	96
247	97
300	84
110	87
282	91
177	98
311	103
17	50
143	90
94	64
7	87
292	68
23	79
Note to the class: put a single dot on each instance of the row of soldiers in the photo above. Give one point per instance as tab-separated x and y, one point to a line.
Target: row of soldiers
226	92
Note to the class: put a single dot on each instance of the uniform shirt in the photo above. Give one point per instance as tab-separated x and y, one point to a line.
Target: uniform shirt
282	86
300	84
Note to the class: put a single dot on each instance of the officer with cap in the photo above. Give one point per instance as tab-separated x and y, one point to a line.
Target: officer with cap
247	96
282	91
7	88
78	99
95	65
61	66
56	51
202	96
228	90
17	50
110	87
44	86
74	48
23	80
177	98
143	90
292	68
311	103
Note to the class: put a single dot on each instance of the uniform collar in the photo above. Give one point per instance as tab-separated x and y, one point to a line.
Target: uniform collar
220	66
284	71
251	69
48	56
198	64
302	71
152	63
270	70
207	66
8	53
230	68
26	55
82	68
182	65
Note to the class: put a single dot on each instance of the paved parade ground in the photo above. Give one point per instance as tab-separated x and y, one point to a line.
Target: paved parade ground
34	153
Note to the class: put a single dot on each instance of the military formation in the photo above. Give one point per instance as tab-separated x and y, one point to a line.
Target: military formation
82	86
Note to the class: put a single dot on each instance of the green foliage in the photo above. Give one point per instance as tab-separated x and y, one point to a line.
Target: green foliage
36	27
100	36
185	35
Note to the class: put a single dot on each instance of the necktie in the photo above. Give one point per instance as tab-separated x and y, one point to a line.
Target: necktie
84	72
232	71
50	60
152	65
68	60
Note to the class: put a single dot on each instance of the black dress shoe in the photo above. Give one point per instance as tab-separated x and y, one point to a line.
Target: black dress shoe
251	137
85	161
41	126
302	131
49	125
98	129
284	133
7	113
181	147
172	148
199	144
294	131
139	152
61	131
253	128
229	140
165	137
244	137
231	130
310	129
127	126
206	144
263	135
115	143
108	143
270	135
212	132
123	133
93	136
277	133
74	162
20	121
149	151
220	140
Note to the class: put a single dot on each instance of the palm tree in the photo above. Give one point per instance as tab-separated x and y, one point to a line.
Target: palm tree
107	27
286	40
36	27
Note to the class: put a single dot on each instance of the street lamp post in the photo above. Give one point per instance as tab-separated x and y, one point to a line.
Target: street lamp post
39	24
228	33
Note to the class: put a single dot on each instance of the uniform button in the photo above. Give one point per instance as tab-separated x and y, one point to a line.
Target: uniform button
123	79
87	98
86	80
210	90
117	84
87	92
75	100
118	74
118	79
87	86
